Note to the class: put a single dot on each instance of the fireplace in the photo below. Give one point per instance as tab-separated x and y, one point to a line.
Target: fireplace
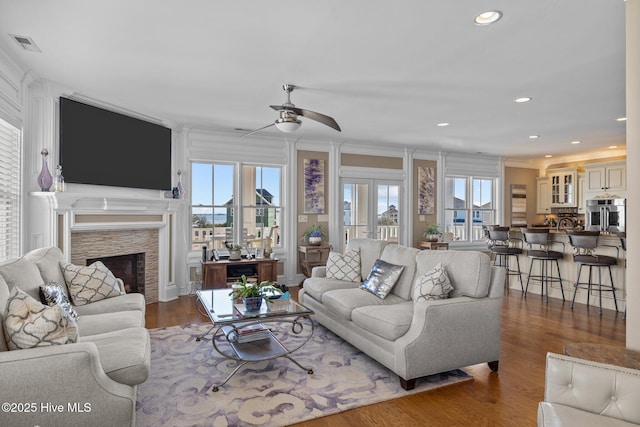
128	267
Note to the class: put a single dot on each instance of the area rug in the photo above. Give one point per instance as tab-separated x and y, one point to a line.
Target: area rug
268	393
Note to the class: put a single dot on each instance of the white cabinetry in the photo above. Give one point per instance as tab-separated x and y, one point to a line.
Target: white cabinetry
581	199
544	195
563	185
606	177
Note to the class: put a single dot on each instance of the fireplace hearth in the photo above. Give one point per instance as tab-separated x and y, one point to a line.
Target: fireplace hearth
129	267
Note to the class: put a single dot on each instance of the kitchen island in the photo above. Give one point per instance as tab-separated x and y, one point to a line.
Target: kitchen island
608	244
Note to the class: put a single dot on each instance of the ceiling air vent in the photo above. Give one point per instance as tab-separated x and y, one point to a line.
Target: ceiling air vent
26	43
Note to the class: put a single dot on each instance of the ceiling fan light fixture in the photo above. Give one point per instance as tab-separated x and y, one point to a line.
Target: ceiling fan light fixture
487	18
288	125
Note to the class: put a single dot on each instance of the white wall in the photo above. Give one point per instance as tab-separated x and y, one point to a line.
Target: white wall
633	173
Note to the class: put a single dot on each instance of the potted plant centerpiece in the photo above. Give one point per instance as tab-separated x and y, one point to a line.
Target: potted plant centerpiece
314	235
252	294
432	233
235	251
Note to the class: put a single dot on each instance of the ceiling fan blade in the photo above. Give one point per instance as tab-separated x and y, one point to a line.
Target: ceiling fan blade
322	118
256	130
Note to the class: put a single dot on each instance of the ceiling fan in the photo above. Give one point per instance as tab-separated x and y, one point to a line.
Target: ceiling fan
289	121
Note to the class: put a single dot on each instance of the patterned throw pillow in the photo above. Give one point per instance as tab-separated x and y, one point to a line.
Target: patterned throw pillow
344	267
433	285
91	283
382	278
52	294
28	323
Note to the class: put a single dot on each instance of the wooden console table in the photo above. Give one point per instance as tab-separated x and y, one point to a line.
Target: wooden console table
218	274
312	256
603	353
433	245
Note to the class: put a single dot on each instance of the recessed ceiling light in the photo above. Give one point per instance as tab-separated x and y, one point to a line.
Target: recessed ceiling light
621	119
576	142
534	136
613	146
488	17
443	124
548	155
522	100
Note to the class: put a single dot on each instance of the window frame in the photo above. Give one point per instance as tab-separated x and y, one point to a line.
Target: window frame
470	209
10	189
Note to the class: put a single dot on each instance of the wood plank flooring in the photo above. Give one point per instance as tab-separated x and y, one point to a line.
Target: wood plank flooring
530	328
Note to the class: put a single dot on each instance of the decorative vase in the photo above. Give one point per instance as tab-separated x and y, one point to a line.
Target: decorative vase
315	241
432	237
181	190
252	303
45	180
58	186
235	255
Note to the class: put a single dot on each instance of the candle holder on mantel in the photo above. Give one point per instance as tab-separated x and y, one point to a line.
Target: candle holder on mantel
181	190
45	180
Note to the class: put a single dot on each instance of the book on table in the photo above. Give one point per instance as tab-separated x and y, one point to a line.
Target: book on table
246	334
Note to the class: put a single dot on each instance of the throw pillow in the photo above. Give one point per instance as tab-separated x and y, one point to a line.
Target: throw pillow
382	278
91	283
433	285
344	267
52	293
28	323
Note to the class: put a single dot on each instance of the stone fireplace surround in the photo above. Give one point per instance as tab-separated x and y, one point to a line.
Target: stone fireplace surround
86	226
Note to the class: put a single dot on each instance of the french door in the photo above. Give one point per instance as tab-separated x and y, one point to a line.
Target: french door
371	209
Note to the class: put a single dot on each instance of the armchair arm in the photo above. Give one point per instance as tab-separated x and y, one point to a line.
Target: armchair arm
450	334
319	271
69	375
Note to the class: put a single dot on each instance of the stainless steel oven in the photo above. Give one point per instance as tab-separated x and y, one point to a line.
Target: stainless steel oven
606	215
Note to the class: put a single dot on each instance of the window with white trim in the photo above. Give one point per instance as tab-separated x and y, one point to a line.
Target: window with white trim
9	190
469	205
234	203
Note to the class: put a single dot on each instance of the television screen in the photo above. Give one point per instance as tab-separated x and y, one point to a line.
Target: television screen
105	148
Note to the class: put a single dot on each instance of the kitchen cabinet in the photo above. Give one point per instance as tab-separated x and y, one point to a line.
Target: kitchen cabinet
581	199
606	177
543	205
563	185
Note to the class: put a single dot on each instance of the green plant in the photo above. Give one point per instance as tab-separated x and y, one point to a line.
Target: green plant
314	231
432	229
249	290
233	246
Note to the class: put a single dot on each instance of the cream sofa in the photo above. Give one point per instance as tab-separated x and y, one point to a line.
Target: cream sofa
421	338
581	393
90	382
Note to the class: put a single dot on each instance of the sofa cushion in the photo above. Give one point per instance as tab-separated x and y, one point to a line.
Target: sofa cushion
4	297
432	285
125	355
388	321
344	301
90	283
344	267
370	250
382	278
470	280
48	261
23	273
127	302
52	294
28	323
93	324
316	287
402	255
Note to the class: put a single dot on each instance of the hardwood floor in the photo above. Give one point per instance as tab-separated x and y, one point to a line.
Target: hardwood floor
530	328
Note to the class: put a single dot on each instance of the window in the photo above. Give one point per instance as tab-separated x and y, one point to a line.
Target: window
9	191
247	213
469	204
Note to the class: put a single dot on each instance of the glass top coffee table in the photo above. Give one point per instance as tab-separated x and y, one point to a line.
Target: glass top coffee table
276	330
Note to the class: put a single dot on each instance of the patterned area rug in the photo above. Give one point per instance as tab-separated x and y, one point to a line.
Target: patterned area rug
268	393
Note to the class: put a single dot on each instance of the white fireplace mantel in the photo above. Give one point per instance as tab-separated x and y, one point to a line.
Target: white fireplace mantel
55	215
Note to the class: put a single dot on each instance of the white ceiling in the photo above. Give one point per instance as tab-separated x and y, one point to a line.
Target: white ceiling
386	71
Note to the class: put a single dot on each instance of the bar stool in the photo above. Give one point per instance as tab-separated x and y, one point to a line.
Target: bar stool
584	244
535	237
502	248
623	245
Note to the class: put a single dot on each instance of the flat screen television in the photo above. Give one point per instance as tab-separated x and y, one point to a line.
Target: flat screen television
102	147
